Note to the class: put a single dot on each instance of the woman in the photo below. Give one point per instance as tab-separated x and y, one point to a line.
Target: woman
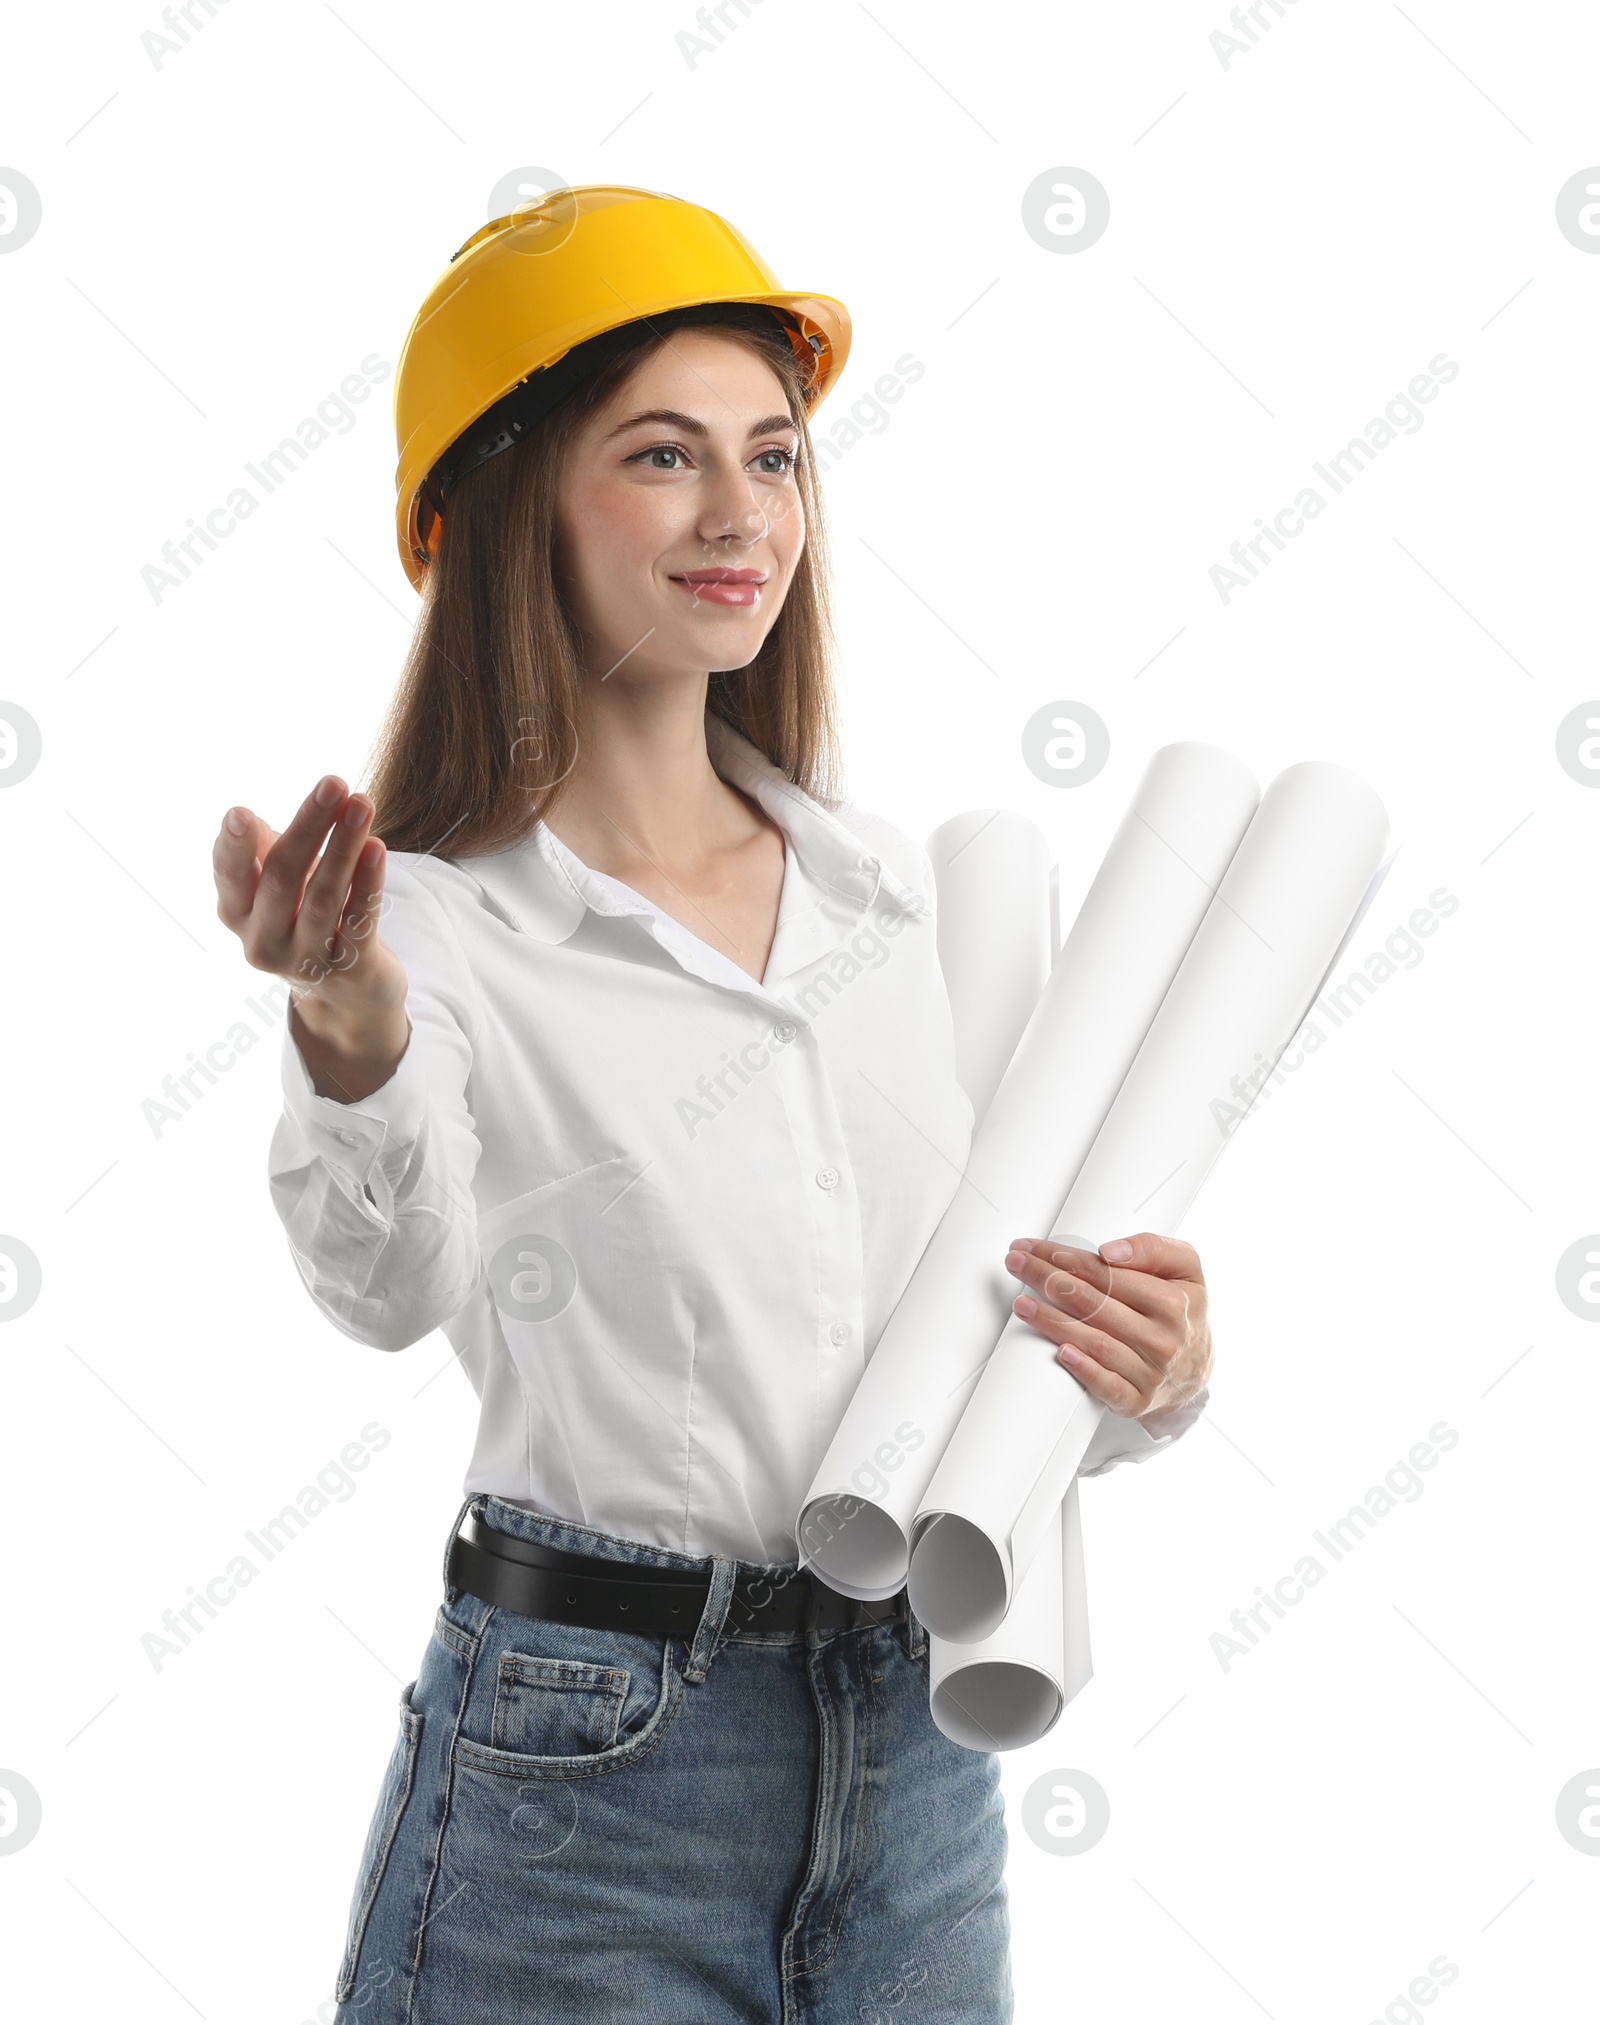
633	1096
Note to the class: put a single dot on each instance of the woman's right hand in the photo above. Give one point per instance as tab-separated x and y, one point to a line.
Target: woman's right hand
313	920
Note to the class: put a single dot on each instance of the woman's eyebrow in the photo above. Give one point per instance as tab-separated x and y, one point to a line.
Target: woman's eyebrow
767	426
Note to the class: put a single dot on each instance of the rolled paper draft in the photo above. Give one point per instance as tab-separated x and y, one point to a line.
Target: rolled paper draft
1284	906
1009	1689
1367	899
998	932
1138	918
991	872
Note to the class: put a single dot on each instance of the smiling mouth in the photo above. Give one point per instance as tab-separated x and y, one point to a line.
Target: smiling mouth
722	587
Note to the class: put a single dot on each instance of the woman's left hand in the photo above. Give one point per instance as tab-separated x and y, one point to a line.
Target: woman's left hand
1130	1321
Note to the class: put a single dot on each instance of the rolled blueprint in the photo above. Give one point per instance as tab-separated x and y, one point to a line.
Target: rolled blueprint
1284	906
997	917
1137	920
991	872
1009	1690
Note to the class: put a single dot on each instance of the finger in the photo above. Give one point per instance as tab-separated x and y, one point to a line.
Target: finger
1082	1339
1161	1297
286	865
1107	1370
326	900
1168	1258
1077	1283
234	863
364	902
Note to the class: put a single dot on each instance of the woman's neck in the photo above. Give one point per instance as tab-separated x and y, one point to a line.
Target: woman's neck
644	791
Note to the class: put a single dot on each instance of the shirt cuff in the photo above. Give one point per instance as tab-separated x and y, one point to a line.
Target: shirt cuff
1128	1440
350	1137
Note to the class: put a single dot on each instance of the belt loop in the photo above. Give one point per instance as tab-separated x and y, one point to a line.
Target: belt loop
916	1637
712	1619
450	1593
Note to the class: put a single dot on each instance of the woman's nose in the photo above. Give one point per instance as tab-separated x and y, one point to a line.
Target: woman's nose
736	521
734	509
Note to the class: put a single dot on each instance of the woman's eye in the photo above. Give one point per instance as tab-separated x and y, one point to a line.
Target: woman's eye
670	457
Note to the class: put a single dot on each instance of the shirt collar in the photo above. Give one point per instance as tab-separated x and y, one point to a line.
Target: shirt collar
545	888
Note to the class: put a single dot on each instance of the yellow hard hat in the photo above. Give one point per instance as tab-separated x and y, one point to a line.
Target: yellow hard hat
528	288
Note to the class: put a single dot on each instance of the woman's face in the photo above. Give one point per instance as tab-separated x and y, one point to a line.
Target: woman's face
679	524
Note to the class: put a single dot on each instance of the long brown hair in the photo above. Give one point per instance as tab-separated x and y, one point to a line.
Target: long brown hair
484	725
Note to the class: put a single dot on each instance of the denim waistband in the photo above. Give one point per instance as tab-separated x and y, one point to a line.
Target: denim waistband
718	1622
546	1530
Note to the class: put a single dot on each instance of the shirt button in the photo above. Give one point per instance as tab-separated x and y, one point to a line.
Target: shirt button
783	1031
347	1139
839	1333
827	1177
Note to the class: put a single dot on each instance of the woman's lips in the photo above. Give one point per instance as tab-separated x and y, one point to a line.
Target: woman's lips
722	587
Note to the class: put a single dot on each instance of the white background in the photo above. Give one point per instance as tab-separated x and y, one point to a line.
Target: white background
1293	236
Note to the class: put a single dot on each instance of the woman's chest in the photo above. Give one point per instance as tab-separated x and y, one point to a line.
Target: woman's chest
605	1048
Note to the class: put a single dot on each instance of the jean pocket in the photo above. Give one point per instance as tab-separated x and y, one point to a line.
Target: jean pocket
396	1791
556	1708
567	1701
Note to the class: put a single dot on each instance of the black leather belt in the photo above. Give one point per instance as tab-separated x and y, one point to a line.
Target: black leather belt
540	1581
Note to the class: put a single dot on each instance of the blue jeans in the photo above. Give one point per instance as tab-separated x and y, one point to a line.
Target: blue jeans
604	1825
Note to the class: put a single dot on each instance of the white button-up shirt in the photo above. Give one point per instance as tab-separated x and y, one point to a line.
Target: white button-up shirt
660	1209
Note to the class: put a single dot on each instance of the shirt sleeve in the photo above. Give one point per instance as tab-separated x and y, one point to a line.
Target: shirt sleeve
376	1196
1117	1439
